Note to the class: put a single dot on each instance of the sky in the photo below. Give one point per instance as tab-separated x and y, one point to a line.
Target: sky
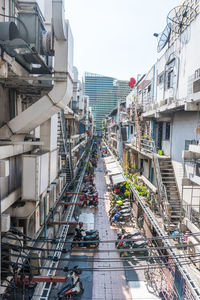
115	37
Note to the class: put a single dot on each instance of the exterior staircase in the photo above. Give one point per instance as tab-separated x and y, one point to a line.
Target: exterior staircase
173	197
64	147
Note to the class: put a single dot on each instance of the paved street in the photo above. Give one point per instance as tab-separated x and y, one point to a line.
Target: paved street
107	284
113	283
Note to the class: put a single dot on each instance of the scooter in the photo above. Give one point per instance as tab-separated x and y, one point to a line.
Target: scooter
131	245
90	236
93	199
74	288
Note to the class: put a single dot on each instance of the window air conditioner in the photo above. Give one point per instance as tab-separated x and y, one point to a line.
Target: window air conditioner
35	262
32	223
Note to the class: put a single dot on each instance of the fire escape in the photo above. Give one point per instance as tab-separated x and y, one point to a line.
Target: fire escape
64	147
169	198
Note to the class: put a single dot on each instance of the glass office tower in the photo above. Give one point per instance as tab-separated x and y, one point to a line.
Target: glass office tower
104	92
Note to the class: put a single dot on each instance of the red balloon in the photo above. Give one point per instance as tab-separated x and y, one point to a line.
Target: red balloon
132	82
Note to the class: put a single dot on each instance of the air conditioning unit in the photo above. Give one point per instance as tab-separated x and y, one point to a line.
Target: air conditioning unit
57	217
59	163
5	222
36	262
32	21
194	251
56	183
32	223
64	175
44	199
51	191
36	167
61	182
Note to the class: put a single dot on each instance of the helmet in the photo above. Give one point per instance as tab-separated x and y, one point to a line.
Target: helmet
80	224
119	202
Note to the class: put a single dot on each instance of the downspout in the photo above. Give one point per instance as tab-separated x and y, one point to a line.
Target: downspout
153	84
59	97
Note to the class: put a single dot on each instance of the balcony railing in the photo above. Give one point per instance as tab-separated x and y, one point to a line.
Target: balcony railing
145	145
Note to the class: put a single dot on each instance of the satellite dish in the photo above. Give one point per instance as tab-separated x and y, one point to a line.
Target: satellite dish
164	38
180	17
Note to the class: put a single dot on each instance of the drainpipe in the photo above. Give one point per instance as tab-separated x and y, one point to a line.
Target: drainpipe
59	97
153	84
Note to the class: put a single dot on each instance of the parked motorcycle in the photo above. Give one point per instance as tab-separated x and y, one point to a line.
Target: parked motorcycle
74	285
135	242
90	236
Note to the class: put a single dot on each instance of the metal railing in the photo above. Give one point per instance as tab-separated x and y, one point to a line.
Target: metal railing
46	288
63	130
162	192
145	145
148	145
191	286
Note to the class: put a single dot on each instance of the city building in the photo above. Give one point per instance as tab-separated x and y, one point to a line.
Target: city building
44	122
162	131
104	92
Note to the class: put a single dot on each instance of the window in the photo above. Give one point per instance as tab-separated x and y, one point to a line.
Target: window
131	129
167	131
170	79
161	79
149	88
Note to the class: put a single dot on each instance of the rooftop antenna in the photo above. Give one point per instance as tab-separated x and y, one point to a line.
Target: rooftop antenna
180	17
164	38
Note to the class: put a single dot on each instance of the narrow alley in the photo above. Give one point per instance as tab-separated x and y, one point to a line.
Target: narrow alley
99	150
105	275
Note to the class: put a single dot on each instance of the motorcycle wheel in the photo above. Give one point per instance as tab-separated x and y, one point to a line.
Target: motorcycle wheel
82	288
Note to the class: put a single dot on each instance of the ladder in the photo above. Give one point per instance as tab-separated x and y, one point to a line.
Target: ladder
65	147
190	282
162	193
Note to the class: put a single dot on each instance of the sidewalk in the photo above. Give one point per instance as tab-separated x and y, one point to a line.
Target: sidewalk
108	284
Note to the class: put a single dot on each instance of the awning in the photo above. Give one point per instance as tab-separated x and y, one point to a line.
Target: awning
109	160
115	171
111	166
117	179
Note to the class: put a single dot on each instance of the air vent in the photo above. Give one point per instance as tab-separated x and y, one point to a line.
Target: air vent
196	86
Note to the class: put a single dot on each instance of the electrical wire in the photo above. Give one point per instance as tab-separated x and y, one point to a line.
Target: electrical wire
126	268
156	238
89	259
106	250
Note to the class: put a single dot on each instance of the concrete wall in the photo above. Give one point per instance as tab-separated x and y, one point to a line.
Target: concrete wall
183	128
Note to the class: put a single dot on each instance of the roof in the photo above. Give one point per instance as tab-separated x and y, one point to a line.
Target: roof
117	178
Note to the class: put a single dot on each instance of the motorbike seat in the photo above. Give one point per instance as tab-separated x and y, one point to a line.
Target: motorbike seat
90	237
91	232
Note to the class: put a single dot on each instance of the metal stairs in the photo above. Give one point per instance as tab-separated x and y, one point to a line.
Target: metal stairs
64	147
169	181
